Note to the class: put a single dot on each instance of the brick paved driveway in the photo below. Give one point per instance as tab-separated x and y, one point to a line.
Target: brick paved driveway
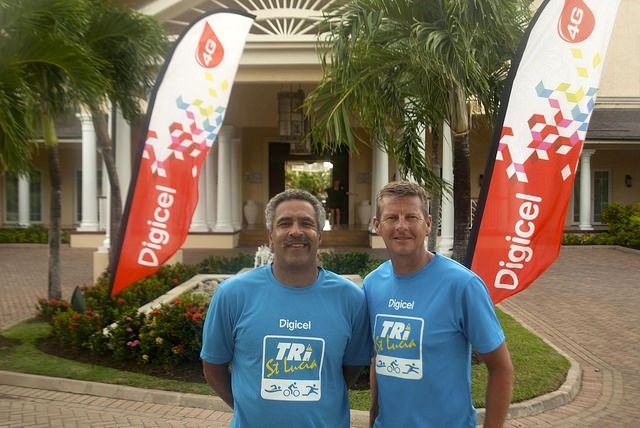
587	304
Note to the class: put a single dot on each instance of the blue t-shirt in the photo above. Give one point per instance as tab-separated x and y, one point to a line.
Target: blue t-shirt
287	347
423	326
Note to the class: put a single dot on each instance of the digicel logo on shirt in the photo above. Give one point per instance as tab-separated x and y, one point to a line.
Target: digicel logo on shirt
210	51
576	21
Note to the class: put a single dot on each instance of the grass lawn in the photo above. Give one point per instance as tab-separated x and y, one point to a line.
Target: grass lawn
538	367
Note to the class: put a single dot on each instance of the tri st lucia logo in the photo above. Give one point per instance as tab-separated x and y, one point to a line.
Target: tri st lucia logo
398	343
292	368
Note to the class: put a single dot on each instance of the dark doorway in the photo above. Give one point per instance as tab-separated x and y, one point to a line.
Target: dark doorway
280	153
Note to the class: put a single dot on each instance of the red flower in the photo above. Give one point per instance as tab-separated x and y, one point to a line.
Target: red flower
120	301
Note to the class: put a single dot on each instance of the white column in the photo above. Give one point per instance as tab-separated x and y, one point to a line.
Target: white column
236	183
212	186
89	221
199	219
24	204
585	189
123	154
445	245
223	215
380	175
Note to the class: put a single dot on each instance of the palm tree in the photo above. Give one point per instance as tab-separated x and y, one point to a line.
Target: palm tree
52	71
59	55
130	47
398	66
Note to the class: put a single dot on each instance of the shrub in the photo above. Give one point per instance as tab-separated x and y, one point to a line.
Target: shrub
624	224
172	334
169	335
624	228
48	309
30	235
349	263
124	338
75	329
230	265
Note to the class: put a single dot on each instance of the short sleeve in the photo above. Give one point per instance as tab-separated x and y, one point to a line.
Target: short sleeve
481	324
360	347
217	333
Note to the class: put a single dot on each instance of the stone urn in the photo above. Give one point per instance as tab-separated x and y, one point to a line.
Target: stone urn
364	212
251	211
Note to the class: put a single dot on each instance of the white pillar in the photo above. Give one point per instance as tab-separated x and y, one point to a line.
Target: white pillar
212	186
445	245
123	154
236	183
380	175
199	219
24	204
223	216
585	189
89	221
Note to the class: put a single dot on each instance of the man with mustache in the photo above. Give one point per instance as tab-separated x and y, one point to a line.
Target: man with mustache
281	342
426	311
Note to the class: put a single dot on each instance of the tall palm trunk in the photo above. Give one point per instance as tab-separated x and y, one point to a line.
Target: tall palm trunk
436	197
54	289
105	145
461	179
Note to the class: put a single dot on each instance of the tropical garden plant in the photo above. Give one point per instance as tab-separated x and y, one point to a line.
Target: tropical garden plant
623	223
399	67
168	335
57	57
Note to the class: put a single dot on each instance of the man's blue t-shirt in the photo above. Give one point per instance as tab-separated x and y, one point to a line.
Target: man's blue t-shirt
423	326
287	347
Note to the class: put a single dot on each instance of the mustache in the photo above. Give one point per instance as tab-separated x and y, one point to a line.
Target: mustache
296	241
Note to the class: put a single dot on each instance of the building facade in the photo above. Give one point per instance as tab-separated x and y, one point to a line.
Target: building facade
247	165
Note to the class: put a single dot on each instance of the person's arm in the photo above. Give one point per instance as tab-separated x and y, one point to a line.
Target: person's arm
350	374
499	385
219	379
373	387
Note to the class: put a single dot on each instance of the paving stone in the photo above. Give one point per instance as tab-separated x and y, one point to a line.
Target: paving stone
586	304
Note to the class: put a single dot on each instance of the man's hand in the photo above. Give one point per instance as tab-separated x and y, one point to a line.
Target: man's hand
219	379
499	386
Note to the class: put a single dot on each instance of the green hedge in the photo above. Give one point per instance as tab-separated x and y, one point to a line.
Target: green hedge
349	263
28	235
624	228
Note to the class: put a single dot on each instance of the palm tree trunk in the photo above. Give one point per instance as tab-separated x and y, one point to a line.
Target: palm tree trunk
105	145
461	179
436	198
54	289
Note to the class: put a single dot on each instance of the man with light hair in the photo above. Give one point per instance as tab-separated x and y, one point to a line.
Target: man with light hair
426	311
